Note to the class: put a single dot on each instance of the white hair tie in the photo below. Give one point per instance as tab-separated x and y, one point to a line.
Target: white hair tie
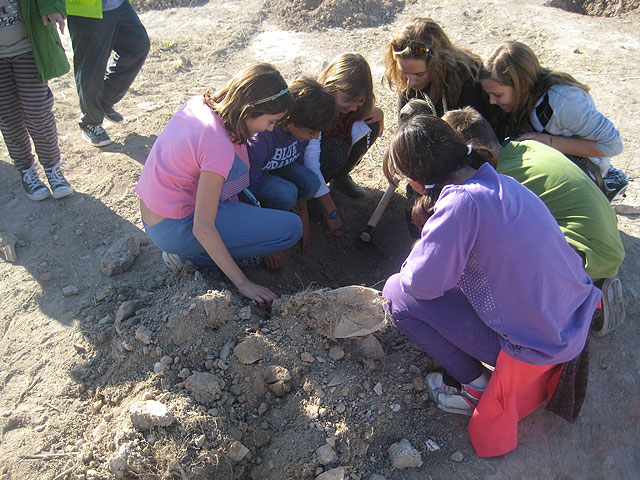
469	149
429	186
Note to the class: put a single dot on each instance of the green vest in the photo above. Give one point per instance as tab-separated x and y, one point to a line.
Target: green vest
85	8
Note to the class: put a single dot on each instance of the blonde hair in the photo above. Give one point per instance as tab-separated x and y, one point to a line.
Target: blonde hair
447	64
350	74
244	97
514	64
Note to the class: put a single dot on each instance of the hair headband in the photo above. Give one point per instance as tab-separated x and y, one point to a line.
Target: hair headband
272	97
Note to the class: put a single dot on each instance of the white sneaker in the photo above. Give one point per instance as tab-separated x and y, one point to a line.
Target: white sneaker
452	399
172	261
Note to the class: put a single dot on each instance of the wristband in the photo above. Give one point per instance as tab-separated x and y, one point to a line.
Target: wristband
333	215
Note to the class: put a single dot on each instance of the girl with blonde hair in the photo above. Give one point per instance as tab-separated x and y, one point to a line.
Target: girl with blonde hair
555	109
421	62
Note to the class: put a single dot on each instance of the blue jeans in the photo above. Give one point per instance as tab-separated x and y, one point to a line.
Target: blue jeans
93	39
284	187
447	328
246	231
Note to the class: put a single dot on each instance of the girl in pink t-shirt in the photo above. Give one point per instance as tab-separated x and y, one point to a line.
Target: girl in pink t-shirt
189	184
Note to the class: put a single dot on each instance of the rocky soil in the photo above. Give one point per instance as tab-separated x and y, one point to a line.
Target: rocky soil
111	366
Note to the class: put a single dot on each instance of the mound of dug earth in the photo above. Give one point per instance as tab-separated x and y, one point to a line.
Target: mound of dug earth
308	15
599	8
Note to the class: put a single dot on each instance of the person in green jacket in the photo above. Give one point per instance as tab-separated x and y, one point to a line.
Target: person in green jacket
582	211
30	55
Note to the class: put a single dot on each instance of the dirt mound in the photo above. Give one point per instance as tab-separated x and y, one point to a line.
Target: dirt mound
599	8
146	5
308	15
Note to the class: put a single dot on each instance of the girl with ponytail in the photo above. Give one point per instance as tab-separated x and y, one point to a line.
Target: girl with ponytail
490	281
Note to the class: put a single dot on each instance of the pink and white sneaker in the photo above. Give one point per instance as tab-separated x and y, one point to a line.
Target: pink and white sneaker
453	398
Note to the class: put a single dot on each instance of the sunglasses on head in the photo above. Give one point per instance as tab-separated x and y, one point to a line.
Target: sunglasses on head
416	47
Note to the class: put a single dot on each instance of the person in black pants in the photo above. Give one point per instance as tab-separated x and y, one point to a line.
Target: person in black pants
94	35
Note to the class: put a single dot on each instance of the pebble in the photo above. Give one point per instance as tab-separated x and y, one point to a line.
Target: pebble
120	255
378	388
163	397
144	335
307	357
395	407
403	455
336	352
237	451
70	290
104	320
148	396
199	441
457	456
326	455
184	373
333	474
148	414
158	367
245	313
166	360
45	277
432	446
341	407
204	387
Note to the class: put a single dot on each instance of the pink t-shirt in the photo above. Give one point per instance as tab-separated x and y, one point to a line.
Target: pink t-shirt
194	140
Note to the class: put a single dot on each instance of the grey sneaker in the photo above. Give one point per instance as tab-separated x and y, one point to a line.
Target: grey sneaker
35	188
96	135
112	115
59	186
452	396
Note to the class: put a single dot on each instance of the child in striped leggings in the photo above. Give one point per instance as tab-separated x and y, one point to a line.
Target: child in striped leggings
30	55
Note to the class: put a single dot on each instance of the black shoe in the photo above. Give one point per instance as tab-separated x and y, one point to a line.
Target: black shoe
111	114
59	185
615	182
35	188
96	135
346	185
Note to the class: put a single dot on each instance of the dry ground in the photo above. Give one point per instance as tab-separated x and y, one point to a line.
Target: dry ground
68	374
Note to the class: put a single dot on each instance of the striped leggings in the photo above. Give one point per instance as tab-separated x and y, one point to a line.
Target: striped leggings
26	111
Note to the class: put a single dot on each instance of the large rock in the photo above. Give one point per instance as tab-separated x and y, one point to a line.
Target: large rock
120	255
352	311
403	455
204	387
148	414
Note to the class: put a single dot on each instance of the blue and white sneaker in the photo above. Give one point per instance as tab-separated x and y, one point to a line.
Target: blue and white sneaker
35	188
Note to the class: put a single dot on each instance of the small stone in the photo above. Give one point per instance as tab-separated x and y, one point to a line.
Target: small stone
120	255
326	455
395	407
333	474
144	335
336	352
307	357
163	397
70	290
341	407
199	441
245	313
125	311
45	277
457	456
237	452
204	387
432	446
148	414
184	373
375	476
403	455
369	348
104	320
166	360
262	409
378	389
148	396
158	367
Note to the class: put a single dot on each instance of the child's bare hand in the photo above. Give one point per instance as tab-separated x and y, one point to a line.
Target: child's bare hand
258	293
334	224
376	115
54	18
272	261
